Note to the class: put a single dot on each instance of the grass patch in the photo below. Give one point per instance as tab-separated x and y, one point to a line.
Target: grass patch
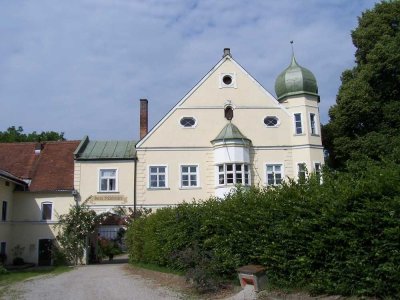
157	268
21	275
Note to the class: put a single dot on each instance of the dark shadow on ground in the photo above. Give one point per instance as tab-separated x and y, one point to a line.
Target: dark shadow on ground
118	259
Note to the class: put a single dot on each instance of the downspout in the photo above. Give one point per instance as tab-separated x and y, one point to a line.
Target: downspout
134	191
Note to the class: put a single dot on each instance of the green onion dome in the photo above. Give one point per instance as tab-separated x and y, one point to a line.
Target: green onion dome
295	80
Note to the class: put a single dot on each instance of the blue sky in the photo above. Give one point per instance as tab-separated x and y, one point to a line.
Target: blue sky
81	66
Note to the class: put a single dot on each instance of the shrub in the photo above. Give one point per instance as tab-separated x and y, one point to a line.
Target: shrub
18	261
3	271
109	248
59	257
338	237
3	258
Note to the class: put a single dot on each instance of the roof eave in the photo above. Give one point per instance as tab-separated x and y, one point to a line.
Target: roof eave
292	94
106	158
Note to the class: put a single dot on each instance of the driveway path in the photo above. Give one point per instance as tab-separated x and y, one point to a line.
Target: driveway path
110	281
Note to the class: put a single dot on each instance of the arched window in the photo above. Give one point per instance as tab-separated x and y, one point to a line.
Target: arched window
229	113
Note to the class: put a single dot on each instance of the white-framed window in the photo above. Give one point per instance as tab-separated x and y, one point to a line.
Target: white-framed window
298	126
47	211
318	171
4	211
274	174
230	174
313	124
271	121
108	180
188	122
158	177
189	176
301	171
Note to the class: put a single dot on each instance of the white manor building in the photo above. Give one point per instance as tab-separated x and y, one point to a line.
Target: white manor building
227	130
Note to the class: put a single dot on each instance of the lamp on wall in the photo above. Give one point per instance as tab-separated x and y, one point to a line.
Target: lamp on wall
75	193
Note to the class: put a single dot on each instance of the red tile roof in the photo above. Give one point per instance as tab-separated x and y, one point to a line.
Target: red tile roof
18	158
51	170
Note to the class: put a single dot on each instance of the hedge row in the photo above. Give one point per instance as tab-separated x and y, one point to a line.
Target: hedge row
338	237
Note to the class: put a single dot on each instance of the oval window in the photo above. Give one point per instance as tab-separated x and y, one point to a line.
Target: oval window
188	122
271	121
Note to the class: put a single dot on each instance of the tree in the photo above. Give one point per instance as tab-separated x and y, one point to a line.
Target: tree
13	134
75	228
365	122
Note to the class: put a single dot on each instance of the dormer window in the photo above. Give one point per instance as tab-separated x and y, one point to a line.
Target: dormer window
188	122
229	112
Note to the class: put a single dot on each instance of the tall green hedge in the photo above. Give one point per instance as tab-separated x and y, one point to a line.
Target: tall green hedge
338	237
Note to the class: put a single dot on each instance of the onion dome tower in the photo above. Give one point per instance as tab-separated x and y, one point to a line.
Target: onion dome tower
295	80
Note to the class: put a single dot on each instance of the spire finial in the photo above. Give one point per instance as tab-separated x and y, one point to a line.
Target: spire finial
294	62
291	43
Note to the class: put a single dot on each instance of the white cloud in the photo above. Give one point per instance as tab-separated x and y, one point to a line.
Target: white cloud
82	66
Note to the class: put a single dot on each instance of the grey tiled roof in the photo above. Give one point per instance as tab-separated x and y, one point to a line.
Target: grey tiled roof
100	150
230	132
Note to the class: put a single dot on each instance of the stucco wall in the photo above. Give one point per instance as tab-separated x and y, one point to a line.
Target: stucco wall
27	226
6	194
88	185
172	145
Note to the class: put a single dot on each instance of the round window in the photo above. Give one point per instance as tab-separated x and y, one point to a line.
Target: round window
188	122
271	121
227	79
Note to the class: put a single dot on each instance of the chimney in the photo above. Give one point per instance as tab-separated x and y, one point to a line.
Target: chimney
227	51
144	117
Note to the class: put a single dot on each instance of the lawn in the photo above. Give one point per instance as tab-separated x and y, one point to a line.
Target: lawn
17	276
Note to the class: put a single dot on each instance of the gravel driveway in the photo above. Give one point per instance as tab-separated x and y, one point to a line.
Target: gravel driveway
110	281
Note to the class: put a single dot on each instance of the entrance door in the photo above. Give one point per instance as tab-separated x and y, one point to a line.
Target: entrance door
45	247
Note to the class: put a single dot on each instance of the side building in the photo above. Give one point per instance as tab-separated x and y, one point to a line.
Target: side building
36	186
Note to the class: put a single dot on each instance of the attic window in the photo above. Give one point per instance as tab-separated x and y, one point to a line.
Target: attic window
188	122
271	121
227	80
229	113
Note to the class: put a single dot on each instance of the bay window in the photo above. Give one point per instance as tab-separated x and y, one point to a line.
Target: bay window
231	174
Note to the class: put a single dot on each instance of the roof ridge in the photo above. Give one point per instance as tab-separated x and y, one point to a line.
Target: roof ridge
17	143
60	142
34	143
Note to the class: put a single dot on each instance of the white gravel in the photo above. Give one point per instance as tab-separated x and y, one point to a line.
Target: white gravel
110	281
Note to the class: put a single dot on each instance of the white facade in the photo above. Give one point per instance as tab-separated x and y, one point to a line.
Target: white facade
227	130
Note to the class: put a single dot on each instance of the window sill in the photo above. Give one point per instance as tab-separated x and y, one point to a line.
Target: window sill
108	192
158	189
229	185
190	188
314	134
299	134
